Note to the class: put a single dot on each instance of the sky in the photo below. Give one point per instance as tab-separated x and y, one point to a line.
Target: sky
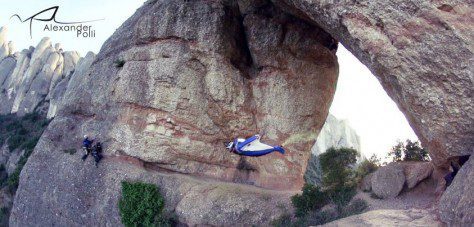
359	97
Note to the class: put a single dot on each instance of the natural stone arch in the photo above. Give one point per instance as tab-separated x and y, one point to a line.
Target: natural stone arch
421	52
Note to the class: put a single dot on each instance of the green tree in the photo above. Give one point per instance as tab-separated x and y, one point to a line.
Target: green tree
336	165
408	151
415	152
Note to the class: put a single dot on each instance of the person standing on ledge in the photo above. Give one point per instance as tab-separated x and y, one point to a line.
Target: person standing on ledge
86	146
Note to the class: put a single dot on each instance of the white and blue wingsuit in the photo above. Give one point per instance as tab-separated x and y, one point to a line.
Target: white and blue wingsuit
252	147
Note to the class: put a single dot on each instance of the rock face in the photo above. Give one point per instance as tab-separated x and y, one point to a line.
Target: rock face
388	181
421	52
410	218
194	75
28	79
456	204
335	133
198	73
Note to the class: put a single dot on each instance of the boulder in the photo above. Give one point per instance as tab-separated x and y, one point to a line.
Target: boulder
457	202
411	217
388	181
415	172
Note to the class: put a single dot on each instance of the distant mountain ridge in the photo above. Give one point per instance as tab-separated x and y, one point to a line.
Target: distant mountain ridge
35	79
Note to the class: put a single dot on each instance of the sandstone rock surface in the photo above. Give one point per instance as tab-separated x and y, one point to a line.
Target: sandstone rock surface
75	193
409	218
194	75
197	73
388	181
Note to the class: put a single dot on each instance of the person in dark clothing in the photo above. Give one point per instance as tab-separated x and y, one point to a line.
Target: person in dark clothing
86	146
96	150
455	166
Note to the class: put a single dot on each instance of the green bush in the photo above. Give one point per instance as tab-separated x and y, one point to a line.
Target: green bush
342	195
367	167
311	199
141	205
16	141
339	182
13	181
357	206
30	144
14	126
320	217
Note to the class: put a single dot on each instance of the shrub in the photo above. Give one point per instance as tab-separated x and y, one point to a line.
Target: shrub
13	126
13	181
4	214
311	199
141	205
119	63
367	167
357	206
320	217
342	195
16	141
30	144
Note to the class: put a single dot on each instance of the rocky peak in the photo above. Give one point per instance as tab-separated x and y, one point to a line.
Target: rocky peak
30	77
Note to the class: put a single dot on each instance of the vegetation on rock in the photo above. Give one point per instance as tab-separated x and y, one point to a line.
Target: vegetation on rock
142	205
21	135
